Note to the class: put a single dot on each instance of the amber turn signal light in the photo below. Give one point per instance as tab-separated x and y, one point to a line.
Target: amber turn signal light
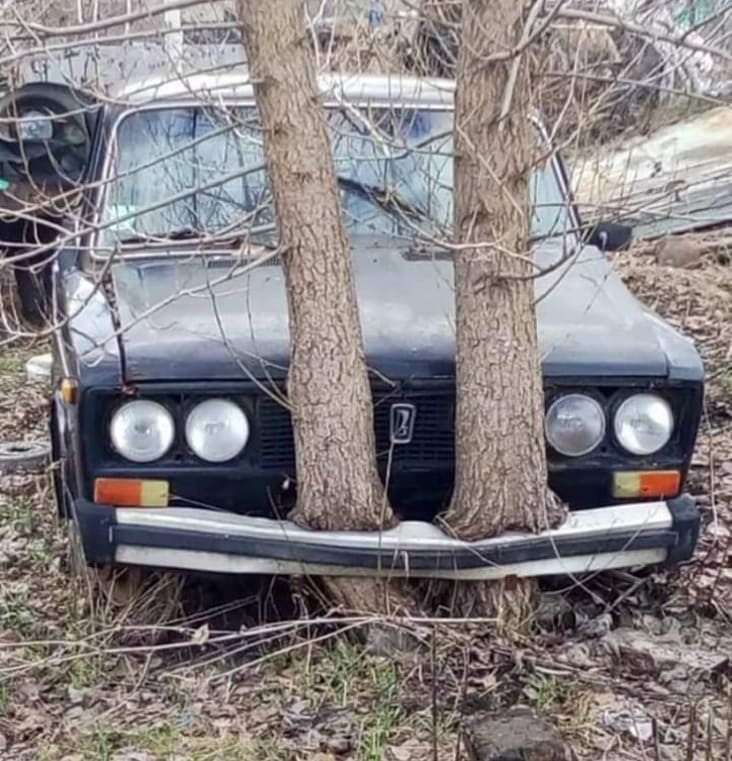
69	388
646	483
130	492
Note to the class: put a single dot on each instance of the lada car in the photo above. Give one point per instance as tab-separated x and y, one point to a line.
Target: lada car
169	424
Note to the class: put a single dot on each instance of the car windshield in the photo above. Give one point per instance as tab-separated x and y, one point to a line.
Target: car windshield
197	172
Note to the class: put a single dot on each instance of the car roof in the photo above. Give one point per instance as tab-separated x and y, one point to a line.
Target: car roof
236	85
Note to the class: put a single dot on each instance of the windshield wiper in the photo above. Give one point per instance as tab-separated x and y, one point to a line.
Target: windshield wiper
258	236
385	198
182	233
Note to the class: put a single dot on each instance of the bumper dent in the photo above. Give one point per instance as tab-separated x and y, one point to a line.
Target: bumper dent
203	540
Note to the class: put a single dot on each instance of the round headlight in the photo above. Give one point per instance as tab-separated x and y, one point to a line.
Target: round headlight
142	431
217	430
574	425
643	424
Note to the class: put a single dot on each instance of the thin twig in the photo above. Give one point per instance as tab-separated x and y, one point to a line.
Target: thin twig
433	674
526	35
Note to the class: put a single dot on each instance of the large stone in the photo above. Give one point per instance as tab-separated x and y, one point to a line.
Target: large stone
685	253
517	734
642	652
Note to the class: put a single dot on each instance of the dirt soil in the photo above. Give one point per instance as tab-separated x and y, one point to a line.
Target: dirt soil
627	666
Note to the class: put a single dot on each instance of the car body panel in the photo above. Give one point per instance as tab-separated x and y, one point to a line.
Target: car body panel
220	325
195	539
185	322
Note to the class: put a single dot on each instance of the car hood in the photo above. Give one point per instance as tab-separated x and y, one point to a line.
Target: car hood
180	317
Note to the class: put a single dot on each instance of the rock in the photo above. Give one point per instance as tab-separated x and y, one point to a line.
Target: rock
76	696
339	744
678	252
635	724
554	611
410	750
518	734
598	626
644	652
388	641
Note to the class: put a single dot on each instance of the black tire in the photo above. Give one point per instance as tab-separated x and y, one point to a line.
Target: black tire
34	294
59	471
23	456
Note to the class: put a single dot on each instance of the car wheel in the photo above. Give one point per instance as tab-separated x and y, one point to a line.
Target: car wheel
59	469
107	589
76	563
33	295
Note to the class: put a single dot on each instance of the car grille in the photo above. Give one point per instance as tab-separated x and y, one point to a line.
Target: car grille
432	441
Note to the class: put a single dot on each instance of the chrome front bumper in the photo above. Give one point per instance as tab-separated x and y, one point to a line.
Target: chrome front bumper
640	534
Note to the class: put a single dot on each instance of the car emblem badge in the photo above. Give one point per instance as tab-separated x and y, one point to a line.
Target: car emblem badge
401	422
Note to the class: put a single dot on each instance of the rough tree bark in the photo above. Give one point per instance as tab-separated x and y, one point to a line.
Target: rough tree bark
501	472
338	485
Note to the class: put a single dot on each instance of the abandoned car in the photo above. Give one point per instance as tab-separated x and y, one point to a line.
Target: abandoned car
169	363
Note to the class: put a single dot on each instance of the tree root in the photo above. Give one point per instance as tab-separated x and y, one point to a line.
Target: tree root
369	596
510	602
385	599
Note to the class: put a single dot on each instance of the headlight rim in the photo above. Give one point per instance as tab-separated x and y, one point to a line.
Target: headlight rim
126	403
584	394
196	404
618	404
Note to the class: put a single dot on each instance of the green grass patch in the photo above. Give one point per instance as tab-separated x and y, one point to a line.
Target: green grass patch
11	363
4	699
18	513
17	615
164	741
88	671
344	676
546	692
726	381
386	711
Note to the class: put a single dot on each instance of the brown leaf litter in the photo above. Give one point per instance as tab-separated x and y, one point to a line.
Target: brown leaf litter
652	649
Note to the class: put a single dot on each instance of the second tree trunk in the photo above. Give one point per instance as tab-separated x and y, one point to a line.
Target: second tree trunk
501	472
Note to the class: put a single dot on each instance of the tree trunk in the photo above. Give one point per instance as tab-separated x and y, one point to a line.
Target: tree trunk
501	472
338	485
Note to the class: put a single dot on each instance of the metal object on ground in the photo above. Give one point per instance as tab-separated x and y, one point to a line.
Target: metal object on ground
23	456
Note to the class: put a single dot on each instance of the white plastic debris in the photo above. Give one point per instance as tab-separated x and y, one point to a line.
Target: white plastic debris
635	724
38	369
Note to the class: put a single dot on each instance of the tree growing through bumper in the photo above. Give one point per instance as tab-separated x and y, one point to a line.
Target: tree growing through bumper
501	470
500	463
338	485
501	473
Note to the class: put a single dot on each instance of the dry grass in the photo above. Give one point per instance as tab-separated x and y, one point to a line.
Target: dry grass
203	671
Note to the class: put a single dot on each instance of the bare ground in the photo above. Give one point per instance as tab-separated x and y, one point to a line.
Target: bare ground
195	671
